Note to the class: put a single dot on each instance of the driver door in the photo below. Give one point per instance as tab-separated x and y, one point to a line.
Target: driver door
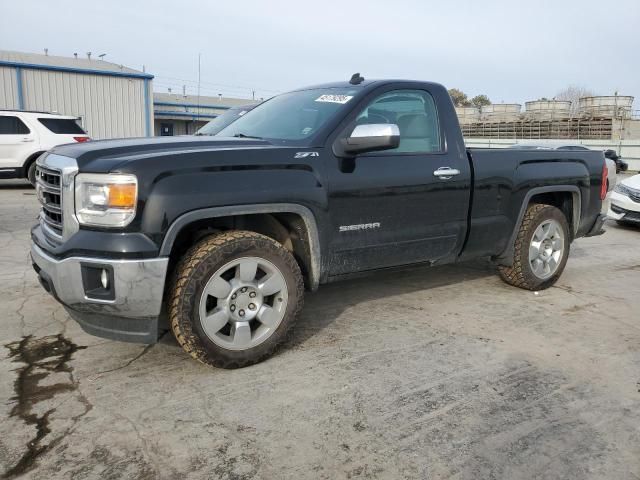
392	207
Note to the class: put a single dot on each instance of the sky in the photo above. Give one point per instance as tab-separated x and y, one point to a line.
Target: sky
510	50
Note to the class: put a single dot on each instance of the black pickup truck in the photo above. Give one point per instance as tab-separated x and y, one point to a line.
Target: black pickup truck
218	237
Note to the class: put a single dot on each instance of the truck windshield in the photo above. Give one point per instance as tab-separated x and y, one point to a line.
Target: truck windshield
292	117
224	120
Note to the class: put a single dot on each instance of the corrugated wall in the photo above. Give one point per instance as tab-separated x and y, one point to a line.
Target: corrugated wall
110	107
8	88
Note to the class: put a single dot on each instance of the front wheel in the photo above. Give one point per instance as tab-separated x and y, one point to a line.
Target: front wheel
31	174
234	299
541	249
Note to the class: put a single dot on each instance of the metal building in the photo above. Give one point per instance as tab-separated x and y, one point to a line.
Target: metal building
177	114
110	100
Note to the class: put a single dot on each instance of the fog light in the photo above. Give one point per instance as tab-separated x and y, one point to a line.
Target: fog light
104	279
98	282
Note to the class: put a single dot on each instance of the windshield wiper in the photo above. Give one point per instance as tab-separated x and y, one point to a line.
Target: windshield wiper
242	135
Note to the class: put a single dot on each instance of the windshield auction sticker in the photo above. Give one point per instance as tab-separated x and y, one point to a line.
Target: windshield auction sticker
334	98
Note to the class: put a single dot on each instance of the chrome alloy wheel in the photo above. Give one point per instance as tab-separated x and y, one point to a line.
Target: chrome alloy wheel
546	249
243	303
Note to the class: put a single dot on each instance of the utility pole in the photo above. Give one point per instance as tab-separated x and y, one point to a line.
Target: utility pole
198	103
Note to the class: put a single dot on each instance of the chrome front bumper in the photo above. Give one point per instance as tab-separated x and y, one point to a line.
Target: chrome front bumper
132	312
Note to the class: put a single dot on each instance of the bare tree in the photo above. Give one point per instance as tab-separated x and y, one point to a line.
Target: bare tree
573	93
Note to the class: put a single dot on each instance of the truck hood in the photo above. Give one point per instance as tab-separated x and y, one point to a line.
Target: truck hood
108	155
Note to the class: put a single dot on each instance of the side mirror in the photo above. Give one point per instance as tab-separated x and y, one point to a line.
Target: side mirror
371	138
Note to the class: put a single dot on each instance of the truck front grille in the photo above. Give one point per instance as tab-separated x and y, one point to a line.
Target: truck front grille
48	188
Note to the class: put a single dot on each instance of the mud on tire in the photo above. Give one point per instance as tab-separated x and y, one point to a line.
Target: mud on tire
202	263
521	273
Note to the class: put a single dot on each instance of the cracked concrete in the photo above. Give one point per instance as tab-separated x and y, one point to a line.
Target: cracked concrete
441	373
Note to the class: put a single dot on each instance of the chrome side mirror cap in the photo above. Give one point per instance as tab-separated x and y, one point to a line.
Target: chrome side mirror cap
370	138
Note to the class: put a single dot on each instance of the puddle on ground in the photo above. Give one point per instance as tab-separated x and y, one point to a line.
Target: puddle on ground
39	357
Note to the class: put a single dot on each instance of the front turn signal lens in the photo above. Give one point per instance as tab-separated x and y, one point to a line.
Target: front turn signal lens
122	195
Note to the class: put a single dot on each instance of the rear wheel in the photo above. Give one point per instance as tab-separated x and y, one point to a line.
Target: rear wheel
541	249
235	297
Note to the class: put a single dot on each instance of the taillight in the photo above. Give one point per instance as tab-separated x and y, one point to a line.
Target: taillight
81	139
603	185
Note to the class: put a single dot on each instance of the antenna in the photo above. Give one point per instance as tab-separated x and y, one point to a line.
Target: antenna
101	56
356	79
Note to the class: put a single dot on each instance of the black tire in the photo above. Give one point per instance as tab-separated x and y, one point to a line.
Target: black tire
31	173
191	276
520	274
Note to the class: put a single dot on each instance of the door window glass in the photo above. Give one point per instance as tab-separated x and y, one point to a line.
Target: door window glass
414	112
12	126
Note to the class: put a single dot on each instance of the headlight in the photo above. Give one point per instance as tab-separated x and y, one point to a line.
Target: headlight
106	200
620	188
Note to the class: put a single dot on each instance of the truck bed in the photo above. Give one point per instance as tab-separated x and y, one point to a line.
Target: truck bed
500	193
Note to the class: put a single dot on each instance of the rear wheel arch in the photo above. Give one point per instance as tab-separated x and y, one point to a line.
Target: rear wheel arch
566	198
293	226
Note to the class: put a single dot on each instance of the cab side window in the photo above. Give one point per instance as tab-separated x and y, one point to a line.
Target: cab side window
12	126
414	112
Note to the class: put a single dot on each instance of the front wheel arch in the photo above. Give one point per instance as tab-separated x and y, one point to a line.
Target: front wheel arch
309	258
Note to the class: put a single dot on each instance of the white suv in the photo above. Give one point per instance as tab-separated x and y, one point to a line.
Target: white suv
24	136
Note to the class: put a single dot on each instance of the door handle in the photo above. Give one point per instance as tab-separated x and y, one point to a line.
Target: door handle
25	140
445	173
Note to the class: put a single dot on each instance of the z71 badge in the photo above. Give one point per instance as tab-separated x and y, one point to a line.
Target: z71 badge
306	154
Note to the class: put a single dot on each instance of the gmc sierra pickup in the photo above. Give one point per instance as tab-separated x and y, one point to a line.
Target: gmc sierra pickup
217	237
